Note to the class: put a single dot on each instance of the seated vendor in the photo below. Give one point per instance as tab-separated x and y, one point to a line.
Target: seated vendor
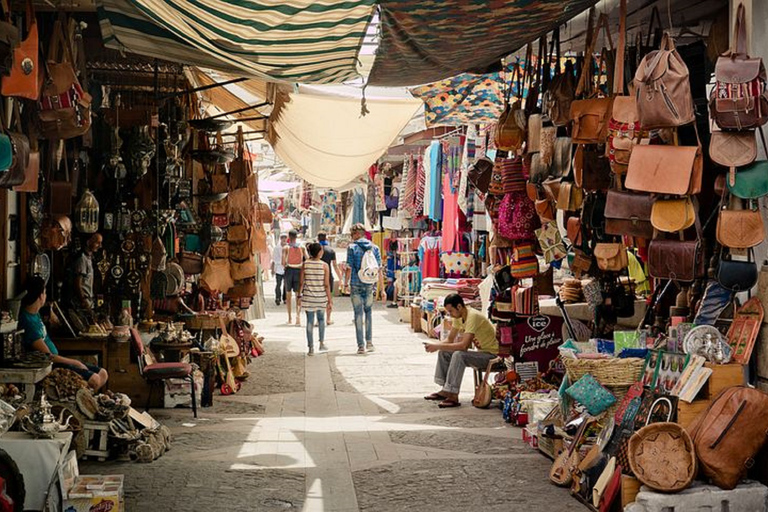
470	329
36	336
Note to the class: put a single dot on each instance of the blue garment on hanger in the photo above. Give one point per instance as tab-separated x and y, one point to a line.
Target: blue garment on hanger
436	181
358	207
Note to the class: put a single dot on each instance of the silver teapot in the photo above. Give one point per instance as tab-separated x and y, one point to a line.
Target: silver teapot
41	423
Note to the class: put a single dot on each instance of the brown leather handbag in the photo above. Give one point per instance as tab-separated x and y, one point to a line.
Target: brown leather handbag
740	229
243	269
262	213
191	262
591	168
219	250
732	150
479	174
573	231
678	260
220	207
730	433
239	251
26	74
510	130
590	120
627	213
238	233
611	257
673	215
739	99
662	88
258	240
240	205
675	170
245	288
216	274
570	197
219	183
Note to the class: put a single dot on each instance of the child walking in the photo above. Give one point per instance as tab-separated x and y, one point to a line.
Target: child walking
315	294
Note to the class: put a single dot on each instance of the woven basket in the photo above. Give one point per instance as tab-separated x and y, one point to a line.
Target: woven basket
619	392
662	457
608	372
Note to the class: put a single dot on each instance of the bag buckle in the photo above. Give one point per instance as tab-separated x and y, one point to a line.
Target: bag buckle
749	463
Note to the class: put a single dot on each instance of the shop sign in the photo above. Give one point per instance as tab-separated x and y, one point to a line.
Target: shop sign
537	339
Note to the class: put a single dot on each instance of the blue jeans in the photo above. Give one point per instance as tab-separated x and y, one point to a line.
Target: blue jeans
362	301
311	325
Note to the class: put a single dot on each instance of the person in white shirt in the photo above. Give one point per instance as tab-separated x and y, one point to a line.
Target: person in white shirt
278	269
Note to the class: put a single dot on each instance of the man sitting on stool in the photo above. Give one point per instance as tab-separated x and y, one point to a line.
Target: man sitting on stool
470	329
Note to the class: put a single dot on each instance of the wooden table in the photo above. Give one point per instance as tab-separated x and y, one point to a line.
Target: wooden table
85	346
27	377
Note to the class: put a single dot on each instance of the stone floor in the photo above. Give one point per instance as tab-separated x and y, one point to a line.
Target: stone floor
340	432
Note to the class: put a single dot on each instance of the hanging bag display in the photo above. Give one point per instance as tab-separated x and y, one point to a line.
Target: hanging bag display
64	107
673	215
733	149
26	75
736	275
557	99
739	100
510	129
740	229
628	214
611	256
675	170
662	88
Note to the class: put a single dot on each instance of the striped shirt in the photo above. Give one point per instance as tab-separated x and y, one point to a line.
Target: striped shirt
314	296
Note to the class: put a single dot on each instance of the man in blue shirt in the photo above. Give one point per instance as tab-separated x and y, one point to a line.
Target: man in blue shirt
36	336
361	293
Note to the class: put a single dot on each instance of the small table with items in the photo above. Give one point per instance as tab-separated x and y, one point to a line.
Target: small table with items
97	346
27	377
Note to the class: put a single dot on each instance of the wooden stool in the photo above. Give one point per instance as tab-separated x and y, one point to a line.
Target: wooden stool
96	437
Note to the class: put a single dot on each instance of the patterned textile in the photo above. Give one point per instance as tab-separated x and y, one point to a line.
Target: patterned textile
467	158
370	204
427	162
328	222
462	99
307	190
280	40
421	181
410	176
429	40
378	182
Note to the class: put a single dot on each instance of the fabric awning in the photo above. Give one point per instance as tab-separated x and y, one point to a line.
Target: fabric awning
430	40
463	99
326	141
308	41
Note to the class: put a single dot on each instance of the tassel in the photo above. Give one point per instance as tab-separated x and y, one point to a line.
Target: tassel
363	104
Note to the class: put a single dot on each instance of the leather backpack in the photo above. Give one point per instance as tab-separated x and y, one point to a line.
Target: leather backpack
739	99
730	433
511	127
558	98
662	88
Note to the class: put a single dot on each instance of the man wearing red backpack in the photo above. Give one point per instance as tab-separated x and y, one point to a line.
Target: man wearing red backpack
361	284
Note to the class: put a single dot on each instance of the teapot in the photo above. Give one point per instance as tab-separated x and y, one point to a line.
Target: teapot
41	423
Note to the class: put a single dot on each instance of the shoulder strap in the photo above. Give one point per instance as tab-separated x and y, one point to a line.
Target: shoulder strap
654	32
618	72
586	71
740	31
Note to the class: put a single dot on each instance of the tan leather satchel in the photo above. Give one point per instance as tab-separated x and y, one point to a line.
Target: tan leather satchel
570	197
730	433
673	215
732	150
238	233
533	145
220	207
219	250
239	251
510	130
740	229
243	269
675	170
219	183
240	205
590	120
611	257
663	90
216	275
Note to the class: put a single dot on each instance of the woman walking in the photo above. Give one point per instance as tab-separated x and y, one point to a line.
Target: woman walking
315	294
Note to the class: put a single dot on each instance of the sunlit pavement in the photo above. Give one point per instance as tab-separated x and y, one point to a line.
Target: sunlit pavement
340	432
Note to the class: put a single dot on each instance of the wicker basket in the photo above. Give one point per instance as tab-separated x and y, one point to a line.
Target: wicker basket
608	372
662	457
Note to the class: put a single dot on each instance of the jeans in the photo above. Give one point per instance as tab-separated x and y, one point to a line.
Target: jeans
362	301
311	325
451	365
279	293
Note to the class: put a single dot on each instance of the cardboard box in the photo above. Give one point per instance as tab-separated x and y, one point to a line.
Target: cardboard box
89	493
416	318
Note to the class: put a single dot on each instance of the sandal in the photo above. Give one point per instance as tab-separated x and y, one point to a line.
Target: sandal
434	396
448	403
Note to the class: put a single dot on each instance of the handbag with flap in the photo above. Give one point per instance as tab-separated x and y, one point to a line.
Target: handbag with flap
219	250
243	269
673	215
573	231
570	197
216	274
735	275
678	260
628	214
191	262
739	99
591	168
740	229
238	233
26	75
590	120
751	182
479	174
733	149
611	257
239	251
675	170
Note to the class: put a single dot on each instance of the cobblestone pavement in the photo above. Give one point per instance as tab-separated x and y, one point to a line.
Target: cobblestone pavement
340	432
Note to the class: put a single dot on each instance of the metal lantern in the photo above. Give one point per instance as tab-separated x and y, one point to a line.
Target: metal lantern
87	213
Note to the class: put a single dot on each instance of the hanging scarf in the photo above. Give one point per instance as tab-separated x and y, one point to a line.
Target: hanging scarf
421	181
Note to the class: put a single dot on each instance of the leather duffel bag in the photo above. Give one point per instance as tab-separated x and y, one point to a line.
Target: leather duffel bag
730	433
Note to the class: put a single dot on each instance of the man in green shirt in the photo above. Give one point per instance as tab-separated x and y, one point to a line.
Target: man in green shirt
470	329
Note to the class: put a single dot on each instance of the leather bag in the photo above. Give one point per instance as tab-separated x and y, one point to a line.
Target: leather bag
590	120
533	143
483	393
673	215
662	89
239	251
510	130
740	229
240	205
64	106
191	262
219	250
243	269
219	183
561	159
678	260
26	75
479	174
220	207
582	263
243	289
238	233
573	231
591	168
611	257
675	170
751	182
216	275
733	149
557	99
730	433
16	174
570	197
739	99
262	213
736	275
628	214
624	132
60	198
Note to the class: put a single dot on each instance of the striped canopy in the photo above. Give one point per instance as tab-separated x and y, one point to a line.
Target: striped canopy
306	41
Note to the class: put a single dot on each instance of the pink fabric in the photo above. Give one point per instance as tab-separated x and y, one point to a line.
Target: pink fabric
450	215
431	263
